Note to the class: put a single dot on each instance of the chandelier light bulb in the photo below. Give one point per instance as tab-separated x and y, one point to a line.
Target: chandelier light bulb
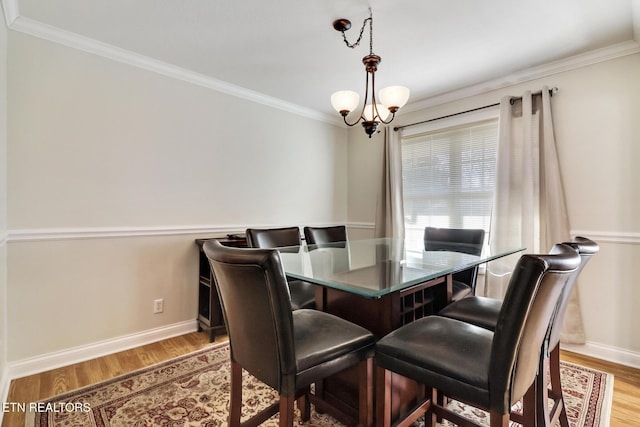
394	97
345	101
370	115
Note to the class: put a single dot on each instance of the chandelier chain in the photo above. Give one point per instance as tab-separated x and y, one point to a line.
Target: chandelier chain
357	42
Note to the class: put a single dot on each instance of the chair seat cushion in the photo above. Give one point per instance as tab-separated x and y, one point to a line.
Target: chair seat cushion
459	290
303	294
321	337
443	353
479	311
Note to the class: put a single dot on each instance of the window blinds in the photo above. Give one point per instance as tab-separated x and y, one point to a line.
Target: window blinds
449	178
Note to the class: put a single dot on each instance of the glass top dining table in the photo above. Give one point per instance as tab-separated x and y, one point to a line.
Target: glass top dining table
373	268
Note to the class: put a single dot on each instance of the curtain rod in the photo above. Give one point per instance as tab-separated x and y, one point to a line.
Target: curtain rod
397	128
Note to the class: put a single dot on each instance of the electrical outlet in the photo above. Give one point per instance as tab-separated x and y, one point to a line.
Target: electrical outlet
158	306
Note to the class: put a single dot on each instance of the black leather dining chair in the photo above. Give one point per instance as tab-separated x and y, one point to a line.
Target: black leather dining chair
324	235
287	350
484	312
303	294
468	241
490	370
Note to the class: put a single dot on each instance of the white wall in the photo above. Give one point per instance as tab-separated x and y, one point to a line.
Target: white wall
100	147
598	134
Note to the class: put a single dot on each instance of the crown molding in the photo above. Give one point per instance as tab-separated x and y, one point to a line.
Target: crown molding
38	29
10	11
53	34
619	50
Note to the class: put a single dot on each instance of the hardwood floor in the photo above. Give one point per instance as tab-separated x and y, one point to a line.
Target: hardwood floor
626	394
625	410
57	381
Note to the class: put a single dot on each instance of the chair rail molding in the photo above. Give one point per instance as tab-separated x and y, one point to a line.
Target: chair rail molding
628	237
71	233
77	233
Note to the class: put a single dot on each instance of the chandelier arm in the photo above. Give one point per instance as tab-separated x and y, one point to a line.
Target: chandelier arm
344	118
366	96
375	104
364	105
393	115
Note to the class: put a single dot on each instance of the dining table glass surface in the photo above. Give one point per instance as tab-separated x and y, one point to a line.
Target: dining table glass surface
376	267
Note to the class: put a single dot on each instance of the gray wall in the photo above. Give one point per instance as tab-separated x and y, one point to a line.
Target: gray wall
114	170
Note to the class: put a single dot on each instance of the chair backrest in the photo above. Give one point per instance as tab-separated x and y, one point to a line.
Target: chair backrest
323	235
273	237
256	306
586	248
527	309
468	241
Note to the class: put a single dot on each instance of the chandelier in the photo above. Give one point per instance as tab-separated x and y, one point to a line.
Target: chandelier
392	98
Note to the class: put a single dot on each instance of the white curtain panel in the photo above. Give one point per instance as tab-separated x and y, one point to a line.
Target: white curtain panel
554	217
390	209
529	208
515	216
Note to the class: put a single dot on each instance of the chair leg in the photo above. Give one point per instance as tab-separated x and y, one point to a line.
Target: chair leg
432	419
497	419
529	408
287	404
546	416
365	380
304	406
383	397
235	404
556	384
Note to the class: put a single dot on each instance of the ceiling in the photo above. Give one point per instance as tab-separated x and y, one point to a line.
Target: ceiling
288	50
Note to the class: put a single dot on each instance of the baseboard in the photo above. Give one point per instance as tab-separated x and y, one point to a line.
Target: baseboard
604	352
45	362
4	390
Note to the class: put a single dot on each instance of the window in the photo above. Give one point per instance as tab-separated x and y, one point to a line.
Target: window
449	178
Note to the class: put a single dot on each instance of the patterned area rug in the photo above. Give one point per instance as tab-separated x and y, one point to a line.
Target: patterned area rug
193	390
